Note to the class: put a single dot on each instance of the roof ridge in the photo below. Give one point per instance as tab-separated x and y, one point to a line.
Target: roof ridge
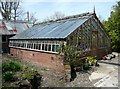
17	21
69	17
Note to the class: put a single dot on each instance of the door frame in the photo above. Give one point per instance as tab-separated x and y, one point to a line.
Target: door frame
94	50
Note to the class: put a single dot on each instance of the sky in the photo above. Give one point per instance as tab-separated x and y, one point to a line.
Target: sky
45	8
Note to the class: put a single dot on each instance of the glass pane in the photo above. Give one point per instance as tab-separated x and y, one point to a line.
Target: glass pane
21	44
57	48
94	43
34	46
28	45
43	45
53	48
49	47
31	45
39	47
24	45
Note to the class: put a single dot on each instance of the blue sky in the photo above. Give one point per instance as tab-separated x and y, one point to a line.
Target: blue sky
42	9
45	8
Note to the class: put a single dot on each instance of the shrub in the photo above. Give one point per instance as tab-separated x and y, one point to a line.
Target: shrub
15	66
86	66
29	74
11	66
91	60
36	80
34	77
8	76
5	66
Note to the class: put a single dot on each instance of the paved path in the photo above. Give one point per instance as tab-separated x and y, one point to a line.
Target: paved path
107	74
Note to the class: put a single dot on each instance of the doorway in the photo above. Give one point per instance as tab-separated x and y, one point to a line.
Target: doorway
94	42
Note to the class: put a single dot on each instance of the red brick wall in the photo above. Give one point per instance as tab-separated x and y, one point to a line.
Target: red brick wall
100	52
42	58
48	59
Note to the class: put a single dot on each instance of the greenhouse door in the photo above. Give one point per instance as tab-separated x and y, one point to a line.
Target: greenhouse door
94	42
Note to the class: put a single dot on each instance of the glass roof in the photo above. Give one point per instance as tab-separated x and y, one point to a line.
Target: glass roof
52	30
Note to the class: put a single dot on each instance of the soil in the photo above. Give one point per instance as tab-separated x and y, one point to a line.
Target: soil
52	78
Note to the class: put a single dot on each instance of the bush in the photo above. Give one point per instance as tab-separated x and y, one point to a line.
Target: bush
86	66
11	66
91	60
8	76
5	66
15	66
28	75
16	74
34	77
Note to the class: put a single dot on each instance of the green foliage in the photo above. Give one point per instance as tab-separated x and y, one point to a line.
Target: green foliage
113	27
11	66
33	77
71	55
15	74
29	74
86	66
8	76
91	60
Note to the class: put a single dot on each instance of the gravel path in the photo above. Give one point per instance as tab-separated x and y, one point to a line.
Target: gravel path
82	80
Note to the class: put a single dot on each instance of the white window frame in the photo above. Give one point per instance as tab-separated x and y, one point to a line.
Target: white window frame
36	45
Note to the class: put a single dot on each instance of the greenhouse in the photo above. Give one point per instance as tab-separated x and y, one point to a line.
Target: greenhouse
40	43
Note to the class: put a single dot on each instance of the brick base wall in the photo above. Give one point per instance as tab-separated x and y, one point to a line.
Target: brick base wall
51	60
99	52
42	58
102	52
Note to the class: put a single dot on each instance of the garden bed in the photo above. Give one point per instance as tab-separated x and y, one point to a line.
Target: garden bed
15	74
50	77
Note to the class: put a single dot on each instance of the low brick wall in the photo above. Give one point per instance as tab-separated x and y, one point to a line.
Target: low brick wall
51	60
100	52
103	51
42	58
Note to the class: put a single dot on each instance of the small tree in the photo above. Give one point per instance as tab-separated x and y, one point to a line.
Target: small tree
10	9
71	55
113	27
